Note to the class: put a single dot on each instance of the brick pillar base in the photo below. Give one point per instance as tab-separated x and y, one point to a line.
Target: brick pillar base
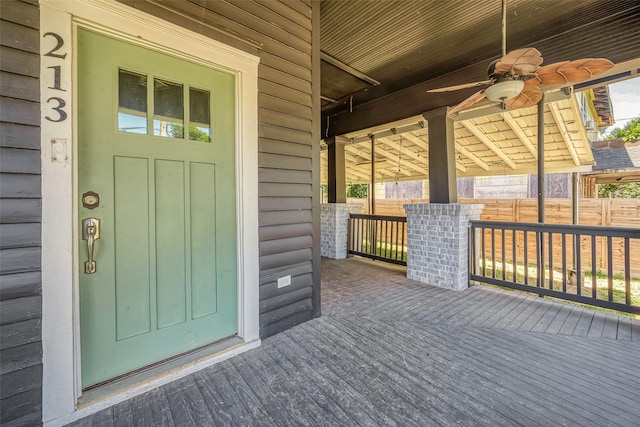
334	224
438	243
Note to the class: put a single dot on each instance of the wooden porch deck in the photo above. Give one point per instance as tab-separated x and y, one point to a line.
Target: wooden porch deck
390	351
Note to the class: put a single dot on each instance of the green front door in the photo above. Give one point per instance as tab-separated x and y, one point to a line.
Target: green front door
156	168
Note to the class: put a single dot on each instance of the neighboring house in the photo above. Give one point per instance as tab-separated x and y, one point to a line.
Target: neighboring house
616	162
96	97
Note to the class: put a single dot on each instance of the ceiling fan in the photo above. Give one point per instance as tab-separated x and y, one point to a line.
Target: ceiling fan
514	80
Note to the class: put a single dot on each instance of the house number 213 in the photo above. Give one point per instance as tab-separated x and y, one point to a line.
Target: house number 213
57	104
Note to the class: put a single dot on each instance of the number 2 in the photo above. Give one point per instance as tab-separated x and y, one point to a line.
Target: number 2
58	46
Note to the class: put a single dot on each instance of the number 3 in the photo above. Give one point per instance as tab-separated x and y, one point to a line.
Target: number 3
62	115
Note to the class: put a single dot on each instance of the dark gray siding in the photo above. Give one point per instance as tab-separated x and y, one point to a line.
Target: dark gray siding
20	280
280	32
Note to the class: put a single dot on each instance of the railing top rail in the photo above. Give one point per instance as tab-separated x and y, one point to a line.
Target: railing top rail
590	230
380	217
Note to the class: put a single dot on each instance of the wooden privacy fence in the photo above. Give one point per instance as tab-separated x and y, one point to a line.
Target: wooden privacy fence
623	213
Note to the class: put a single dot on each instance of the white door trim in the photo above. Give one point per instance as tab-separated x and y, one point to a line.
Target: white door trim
60	314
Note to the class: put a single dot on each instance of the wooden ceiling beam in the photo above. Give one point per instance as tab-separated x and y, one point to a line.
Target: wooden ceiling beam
557	116
424	145
403	163
469	155
515	127
404	150
416	140
490	144
365	155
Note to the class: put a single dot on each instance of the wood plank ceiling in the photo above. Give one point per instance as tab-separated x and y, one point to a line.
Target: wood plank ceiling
488	142
401	48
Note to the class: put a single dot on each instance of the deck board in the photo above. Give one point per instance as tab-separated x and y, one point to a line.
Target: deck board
389	351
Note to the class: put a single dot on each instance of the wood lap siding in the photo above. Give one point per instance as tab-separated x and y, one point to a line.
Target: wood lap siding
20	213
280	33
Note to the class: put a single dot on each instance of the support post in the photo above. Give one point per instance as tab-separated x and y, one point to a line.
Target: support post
540	236
541	160
372	190
336	174
442	157
438	243
575	182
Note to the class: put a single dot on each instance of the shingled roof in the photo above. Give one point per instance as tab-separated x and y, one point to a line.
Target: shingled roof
615	154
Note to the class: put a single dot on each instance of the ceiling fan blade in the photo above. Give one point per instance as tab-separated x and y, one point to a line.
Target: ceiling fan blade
462	86
473	99
573	71
519	62
530	95
549	74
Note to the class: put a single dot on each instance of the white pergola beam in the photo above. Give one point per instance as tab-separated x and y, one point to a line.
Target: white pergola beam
404	150
490	144
393	157
469	155
515	127
367	156
557	116
416	140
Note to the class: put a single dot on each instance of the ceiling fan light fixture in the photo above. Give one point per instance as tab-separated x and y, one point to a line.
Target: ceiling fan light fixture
503	90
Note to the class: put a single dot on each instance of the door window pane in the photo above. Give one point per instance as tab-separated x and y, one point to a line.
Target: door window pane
168	118
132	104
200	115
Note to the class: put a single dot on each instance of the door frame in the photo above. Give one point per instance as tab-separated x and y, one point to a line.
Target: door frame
60	266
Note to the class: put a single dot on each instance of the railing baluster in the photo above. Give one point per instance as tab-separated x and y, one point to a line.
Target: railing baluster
577	252
349	246
404	242
550	239
564	262
539	259
526	259
376	237
386	241
594	276
394	238
493	253
472	249
504	269
514	255
484	257
627	272
610	267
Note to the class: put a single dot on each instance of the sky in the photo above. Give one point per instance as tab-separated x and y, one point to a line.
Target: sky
625	99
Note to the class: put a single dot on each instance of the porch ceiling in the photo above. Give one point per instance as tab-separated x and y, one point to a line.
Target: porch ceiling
488	141
393	51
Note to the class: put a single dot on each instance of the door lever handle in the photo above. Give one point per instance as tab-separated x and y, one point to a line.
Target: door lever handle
90	233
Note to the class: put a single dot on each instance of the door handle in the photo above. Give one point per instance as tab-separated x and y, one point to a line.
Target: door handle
90	233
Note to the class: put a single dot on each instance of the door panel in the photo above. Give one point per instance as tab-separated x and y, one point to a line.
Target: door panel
166	257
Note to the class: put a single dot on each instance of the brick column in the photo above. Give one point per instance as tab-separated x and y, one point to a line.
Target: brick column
334	224
438	243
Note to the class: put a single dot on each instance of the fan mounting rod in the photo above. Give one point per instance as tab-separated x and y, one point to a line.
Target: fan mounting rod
504	27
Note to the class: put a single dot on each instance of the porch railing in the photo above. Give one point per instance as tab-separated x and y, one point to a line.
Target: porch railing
378	237
585	264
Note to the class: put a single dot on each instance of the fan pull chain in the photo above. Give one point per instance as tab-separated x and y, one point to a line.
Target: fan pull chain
399	159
